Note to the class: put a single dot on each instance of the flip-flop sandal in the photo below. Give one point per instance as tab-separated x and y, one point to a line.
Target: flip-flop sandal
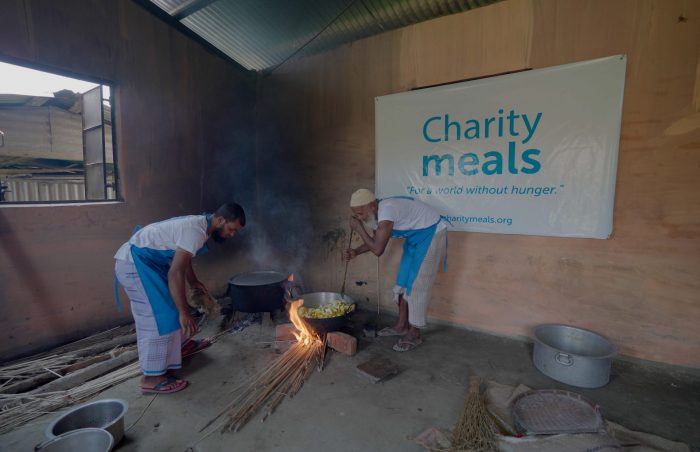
158	389
389	331
406	346
200	344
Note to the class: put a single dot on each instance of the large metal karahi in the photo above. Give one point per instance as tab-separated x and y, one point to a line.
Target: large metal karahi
318	299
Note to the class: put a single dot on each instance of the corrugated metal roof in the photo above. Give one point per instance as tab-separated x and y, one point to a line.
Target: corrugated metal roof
264	34
169	5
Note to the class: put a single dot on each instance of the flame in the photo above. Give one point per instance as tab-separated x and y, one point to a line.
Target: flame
303	334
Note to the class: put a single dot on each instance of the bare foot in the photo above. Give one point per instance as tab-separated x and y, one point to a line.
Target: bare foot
392	331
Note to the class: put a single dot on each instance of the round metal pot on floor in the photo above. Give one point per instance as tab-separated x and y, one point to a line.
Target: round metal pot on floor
83	440
107	414
572	355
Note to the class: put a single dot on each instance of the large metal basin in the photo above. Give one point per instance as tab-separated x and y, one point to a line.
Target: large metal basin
83	440
572	355
107	414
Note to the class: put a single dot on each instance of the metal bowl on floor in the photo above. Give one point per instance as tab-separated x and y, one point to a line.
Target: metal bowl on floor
84	440
572	355
318	299
107	414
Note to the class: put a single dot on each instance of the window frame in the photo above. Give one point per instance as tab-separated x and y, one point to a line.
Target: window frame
118	198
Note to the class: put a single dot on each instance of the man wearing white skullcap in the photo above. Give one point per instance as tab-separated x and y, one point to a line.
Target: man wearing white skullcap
362	197
425	237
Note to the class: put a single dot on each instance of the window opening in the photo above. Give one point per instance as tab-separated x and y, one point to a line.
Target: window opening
56	141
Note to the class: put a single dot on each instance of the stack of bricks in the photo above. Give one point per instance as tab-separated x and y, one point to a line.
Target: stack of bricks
340	342
285	332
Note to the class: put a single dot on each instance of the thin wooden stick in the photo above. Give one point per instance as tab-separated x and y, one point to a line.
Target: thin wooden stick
18	409
345	275
323	353
284	377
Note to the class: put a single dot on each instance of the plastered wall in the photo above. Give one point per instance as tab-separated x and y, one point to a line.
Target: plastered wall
641	288
186	141
182	114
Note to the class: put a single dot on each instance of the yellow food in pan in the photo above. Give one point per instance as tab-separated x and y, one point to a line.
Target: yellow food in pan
335	309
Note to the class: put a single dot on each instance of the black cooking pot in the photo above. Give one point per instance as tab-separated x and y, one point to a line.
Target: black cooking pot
260	291
318	299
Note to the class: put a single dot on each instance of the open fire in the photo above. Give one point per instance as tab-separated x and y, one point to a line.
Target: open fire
303	334
283	377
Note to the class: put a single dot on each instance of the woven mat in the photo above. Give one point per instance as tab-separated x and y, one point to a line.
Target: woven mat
616	436
499	397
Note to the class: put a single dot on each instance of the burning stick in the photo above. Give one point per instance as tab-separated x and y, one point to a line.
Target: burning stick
284	377
323	353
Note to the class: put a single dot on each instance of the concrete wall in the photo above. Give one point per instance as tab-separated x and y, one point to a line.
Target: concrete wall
182	115
641	288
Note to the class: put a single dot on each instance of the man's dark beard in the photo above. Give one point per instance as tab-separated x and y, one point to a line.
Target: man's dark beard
216	235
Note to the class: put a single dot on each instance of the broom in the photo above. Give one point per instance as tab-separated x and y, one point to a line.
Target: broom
475	430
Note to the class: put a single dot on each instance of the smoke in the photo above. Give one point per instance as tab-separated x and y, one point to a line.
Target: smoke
284	233
263	176
257	166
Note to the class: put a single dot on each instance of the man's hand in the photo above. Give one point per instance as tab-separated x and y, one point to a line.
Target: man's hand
198	285
349	254
187	324
355	224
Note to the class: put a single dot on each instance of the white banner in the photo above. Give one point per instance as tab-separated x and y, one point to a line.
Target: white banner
527	153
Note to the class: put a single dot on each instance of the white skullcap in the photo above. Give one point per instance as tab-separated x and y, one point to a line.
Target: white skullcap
362	197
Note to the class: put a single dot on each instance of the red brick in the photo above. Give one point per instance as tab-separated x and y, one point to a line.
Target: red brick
343	343
285	332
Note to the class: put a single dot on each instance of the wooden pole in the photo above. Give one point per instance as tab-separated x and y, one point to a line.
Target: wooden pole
345	275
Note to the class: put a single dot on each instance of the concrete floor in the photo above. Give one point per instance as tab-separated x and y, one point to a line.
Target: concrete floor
340	410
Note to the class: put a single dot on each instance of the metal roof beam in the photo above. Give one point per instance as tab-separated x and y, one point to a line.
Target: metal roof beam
189	8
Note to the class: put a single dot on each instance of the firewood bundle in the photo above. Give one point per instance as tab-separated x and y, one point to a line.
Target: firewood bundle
283	377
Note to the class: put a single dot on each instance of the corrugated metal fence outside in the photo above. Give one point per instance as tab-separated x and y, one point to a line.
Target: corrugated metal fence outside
48	189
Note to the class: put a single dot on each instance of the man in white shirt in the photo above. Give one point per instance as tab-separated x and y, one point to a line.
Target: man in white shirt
153	267
425	237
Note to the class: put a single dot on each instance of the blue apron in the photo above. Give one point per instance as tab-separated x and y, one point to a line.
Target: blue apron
153	266
415	247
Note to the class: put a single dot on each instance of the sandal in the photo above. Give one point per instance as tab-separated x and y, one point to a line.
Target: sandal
160	387
200	344
390	331
407	345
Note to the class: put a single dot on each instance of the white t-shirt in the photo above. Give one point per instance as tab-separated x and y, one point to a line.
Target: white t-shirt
408	214
186	233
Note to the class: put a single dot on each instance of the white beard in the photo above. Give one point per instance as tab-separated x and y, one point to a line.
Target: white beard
371	222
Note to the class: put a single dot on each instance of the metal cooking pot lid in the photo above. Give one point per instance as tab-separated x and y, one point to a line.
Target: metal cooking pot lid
260	278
